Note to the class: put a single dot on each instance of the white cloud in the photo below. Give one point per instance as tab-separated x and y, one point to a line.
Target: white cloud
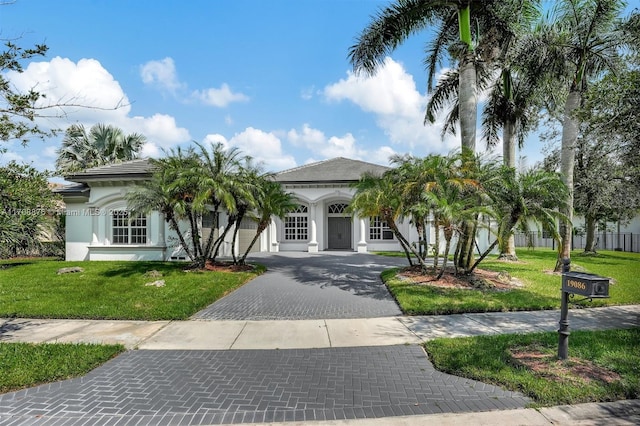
99	97
159	128
264	147
335	146
308	137
391	95
161	73
219	97
88	90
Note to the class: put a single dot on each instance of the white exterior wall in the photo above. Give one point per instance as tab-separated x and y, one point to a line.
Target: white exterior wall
318	199
89	228
89	235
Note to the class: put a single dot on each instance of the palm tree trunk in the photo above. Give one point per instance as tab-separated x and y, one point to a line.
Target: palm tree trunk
446	256
403	241
509	144
436	243
567	162
261	227
174	225
468	103
485	254
507	242
236	230
468	108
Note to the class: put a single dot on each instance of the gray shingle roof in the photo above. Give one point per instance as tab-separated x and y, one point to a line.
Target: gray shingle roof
128	169
73	189
334	170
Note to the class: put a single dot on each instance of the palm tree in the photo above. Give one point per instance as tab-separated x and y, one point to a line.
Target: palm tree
582	42
468	44
247	193
518	199
378	196
170	191
104	144
272	201
221	187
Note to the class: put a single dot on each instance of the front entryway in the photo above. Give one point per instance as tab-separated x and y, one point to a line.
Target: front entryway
339	233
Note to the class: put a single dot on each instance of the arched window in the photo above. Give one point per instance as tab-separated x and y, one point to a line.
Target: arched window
337	208
296	224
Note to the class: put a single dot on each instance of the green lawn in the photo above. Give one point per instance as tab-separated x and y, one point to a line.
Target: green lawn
594	358
541	290
24	365
110	290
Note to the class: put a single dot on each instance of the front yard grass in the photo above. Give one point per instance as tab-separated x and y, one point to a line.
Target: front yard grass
541	289
24	365
602	365
32	288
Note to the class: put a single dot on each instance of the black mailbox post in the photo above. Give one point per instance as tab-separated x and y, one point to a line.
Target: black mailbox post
588	285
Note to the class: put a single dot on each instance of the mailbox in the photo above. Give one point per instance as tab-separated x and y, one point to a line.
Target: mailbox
588	285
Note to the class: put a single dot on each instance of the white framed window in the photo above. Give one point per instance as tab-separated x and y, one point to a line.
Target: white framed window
296	224
127	229
378	229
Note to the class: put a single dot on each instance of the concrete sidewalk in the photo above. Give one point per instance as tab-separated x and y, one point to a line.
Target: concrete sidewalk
299	334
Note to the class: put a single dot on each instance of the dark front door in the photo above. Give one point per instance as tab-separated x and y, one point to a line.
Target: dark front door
339	233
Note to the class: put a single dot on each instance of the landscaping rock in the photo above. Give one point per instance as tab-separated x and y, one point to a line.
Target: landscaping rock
70	270
158	283
153	274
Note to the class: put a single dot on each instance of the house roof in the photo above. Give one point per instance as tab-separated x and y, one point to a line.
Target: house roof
126	170
338	169
72	189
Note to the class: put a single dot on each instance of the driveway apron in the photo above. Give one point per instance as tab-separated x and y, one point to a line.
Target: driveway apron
219	387
298	286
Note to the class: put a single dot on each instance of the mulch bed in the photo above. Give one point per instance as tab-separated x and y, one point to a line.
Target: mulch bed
481	279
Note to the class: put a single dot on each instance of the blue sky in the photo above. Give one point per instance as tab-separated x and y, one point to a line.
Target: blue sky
270	77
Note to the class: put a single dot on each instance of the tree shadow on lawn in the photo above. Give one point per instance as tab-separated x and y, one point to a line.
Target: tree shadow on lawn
129	269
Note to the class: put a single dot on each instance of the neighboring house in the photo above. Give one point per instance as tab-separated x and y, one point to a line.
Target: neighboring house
98	226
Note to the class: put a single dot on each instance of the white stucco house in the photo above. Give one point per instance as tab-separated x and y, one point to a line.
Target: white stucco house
98	226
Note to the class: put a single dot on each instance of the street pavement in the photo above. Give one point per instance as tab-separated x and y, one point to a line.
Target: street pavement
338	370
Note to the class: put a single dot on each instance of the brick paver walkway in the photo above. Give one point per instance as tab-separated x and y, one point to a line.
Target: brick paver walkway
214	387
306	286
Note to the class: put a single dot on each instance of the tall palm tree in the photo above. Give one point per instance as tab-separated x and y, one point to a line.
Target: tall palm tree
583	41
104	144
470	32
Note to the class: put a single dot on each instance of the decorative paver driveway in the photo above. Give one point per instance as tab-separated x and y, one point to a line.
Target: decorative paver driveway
311	286
213	387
